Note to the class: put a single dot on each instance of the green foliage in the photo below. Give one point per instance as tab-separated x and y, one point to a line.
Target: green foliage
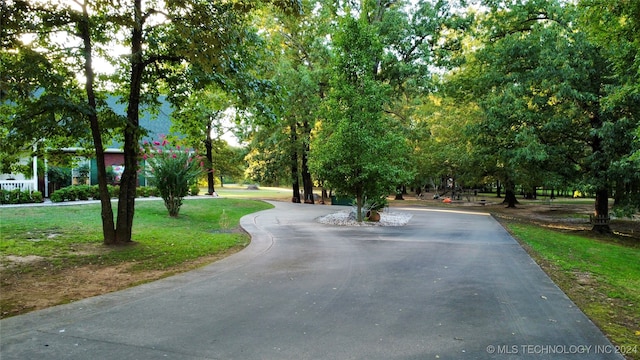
172	170
18	196
194	190
57	196
376	204
114	190
146	191
351	153
540	86
60	176
614	26
36	196
111	175
83	173
81	192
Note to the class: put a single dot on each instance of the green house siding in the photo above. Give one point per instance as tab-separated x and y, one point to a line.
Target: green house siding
94	172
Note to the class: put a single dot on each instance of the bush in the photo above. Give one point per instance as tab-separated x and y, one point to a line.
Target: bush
36	197
73	193
14	196
111	175
58	195
59	176
173	171
114	190
194	190
70	193
143	191
94	192
83	192
18	196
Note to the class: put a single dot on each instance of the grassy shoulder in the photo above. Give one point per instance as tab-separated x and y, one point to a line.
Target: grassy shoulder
600	274
42	245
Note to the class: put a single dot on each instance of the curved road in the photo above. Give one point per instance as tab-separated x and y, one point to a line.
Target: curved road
448	285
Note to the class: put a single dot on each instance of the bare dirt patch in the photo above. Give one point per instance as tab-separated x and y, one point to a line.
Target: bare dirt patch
22	292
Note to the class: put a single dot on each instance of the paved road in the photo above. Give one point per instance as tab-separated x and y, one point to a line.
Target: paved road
447	285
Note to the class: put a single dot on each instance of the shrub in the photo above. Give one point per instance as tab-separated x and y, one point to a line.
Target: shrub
59	176
114	190
58	195
94	192
36	196
111	175
173	171
83	192
143	191
18	196
14	196
70	193
194	190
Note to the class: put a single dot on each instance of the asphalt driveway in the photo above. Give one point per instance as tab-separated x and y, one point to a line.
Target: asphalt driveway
448	285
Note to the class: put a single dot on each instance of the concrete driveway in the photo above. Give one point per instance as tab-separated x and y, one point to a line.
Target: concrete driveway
448	285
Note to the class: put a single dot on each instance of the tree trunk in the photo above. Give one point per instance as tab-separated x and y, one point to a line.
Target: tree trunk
598	167
307	182
359	204
129	180
209	149
510	194
619	195
295	182
498	189
323	195
453	189
128	185
602	210
106	213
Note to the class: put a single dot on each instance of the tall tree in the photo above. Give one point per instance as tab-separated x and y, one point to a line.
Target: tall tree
418	37
614	26
540	81
358	151
160	36
45	103
203	119
300	50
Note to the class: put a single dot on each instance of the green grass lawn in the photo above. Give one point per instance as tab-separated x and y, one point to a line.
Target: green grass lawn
601	275
72	235
238	191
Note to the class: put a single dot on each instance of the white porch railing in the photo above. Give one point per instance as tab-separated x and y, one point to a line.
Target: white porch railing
24	185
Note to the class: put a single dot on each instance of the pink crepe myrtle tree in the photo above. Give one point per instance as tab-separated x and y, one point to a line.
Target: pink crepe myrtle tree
172	170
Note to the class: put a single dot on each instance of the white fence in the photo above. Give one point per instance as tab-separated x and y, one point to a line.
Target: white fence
24	185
